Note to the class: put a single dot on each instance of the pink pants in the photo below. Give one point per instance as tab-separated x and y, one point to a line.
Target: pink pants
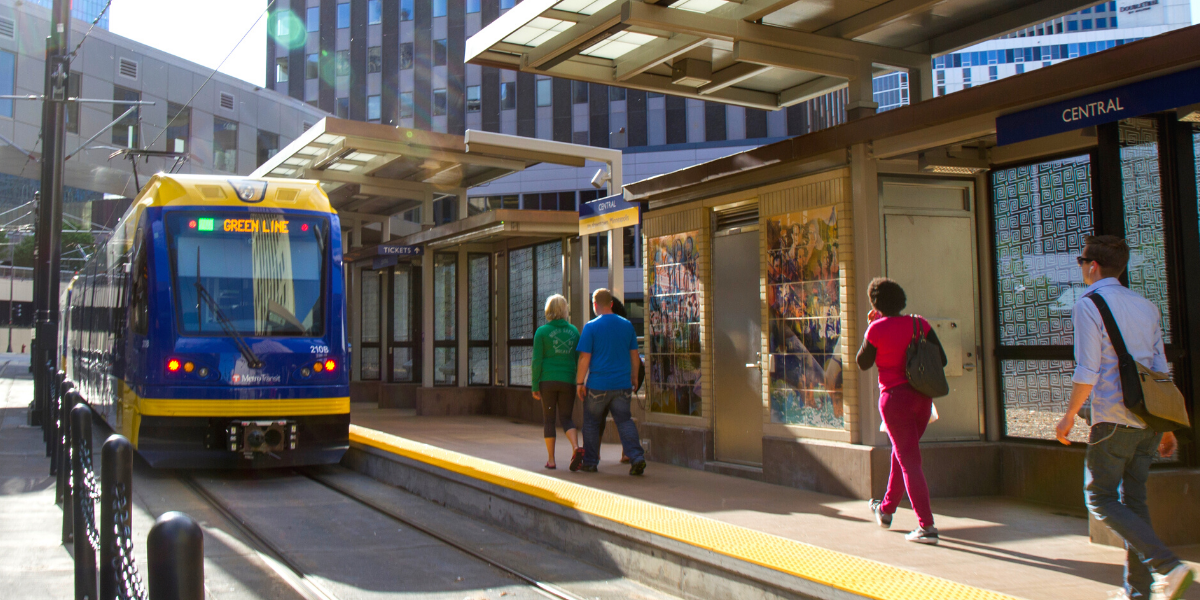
906	415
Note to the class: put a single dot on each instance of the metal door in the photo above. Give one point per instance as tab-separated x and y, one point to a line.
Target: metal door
933	258
737	347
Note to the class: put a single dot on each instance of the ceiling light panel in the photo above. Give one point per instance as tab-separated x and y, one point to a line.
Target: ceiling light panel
538	31
583	7
619	45
699	6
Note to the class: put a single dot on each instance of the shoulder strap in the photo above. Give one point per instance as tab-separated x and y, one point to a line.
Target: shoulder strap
1110	324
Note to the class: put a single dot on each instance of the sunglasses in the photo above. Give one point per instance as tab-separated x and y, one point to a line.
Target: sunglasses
1083	259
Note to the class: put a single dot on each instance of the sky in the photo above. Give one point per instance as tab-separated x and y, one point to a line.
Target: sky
202	31
211	28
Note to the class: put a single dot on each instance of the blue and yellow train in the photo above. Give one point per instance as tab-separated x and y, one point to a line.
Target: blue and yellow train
209	329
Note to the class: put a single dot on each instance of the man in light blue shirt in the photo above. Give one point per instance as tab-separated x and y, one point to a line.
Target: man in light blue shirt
1120	446
607	375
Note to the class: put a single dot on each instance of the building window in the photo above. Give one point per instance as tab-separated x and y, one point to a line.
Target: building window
282	25
341	62
72	110
406	55
1101	23
281	70
673	340
406	105
343	108
479	319
375	59
579	92
268	146
343	15
993	73
125	132
473	6
374	12
1020	68
312	19
406	10
439	102
545	92
373	108
481	204
941	77
445	323
312	67
439	8
439	52
508	95
616	94
473	99
941	90
225	145
507	4
534	274
445	210
1086	24
179	127
550	201
966	74
1072	25
368	369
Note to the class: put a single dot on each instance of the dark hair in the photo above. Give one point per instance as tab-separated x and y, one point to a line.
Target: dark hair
1109	251
886	296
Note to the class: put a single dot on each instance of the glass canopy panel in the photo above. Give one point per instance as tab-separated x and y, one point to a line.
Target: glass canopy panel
584	7
537	31
700	6
618	45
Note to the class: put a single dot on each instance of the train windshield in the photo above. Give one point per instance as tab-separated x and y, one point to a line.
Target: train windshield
262	274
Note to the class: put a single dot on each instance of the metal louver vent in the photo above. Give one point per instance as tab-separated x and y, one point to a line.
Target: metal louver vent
128	68
226	101
8	28
212	192
286	195
734	218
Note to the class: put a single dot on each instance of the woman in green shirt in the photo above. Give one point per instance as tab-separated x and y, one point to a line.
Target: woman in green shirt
554	359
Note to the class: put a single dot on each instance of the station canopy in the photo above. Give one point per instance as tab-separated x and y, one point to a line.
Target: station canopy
382	170
765	54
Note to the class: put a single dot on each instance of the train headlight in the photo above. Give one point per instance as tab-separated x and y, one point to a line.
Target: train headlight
305	372
329	365
203	372
173	365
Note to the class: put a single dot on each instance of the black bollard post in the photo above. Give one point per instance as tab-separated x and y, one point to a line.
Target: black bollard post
56	425
116	515
65	474
85	555
176	549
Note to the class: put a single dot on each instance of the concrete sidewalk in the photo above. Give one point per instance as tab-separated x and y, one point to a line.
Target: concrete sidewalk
1017	548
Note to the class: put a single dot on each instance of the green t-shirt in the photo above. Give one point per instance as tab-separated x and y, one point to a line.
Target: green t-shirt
554	355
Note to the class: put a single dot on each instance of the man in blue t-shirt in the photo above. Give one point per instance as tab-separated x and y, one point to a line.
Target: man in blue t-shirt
606	378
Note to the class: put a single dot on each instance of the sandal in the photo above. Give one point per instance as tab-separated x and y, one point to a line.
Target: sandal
551	466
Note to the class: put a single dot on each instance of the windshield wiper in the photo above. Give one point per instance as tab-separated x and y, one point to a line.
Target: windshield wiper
231	331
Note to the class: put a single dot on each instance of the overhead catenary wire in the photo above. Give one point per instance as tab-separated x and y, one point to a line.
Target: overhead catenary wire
266	11
89	31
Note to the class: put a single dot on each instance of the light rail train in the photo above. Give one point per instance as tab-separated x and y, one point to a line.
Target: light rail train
209	329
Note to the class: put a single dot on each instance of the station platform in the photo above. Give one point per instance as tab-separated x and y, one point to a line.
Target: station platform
991	547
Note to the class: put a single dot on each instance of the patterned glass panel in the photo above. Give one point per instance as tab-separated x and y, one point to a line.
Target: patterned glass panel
673	345
369	368
520	294
549	277
479	284
804	303
1142	193
370	308
520	365
445	366
1042	212
444	284
402	304
402	365
1036	394
479	362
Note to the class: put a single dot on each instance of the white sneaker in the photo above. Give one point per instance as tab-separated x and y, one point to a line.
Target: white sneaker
1172	585
1118	594
923	536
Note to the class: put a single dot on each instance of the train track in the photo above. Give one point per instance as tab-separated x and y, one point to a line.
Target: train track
308	587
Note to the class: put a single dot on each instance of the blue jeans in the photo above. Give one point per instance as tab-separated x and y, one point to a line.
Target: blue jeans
1114	487
595	411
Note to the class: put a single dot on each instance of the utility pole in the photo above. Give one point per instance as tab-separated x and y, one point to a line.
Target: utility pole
49	213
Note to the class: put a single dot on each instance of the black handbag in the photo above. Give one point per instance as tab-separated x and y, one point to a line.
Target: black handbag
1151	396
924	365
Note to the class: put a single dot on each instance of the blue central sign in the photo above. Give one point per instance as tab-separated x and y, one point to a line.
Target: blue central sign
606	214
1135	99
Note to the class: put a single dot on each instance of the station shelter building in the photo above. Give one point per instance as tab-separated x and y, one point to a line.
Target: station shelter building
977	203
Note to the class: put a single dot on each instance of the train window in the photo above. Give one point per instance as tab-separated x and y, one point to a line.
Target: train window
139	304
262	273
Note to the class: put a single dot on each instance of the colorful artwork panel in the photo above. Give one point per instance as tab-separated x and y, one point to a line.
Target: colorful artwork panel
673	324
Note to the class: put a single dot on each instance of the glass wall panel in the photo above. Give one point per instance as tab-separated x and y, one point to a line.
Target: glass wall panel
534	274
370	306
479	319
444	291
445	366
402	304
1141	187
369	368
1036	393
520	294
403	368
1042	213
804	303
673	344
520	365
479	362
549	277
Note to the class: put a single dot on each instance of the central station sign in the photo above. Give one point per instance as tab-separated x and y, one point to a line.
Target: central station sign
606	214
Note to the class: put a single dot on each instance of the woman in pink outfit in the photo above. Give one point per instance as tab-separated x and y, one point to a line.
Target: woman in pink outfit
905	411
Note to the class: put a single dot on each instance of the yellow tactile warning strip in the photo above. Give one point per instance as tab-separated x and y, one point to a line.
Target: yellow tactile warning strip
853	574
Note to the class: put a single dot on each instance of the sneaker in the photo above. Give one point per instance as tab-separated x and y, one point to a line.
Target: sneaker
588	468
1172	585
922	535
883	519
638	467
1118	594
576	459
